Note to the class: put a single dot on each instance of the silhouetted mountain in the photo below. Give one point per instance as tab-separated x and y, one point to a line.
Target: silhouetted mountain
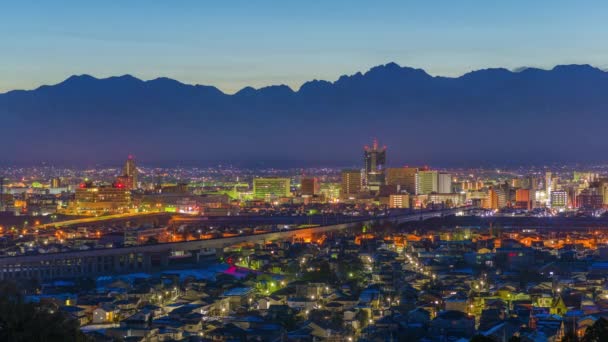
491	115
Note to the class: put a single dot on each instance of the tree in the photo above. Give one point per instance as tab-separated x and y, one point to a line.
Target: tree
481	338
152	241
597	332
22	321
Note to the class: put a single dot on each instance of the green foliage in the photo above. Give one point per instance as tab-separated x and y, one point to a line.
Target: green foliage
21	321
597	332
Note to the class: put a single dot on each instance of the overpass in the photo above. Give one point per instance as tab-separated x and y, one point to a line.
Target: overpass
145	258
99	219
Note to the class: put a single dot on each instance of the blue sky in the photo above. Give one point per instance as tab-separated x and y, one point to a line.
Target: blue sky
231	44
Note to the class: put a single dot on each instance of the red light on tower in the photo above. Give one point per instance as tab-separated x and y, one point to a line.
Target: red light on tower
82	185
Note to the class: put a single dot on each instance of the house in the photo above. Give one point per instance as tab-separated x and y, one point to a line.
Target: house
266	302
105	313
237	297
77	313
452	324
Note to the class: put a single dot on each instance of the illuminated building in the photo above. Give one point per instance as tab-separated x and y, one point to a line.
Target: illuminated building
331	191
399	201
130	170
590	198
524	199
351	183
125	181
444	183
56	182
447	199
471	185
433	181
491	201
405	177
559	199
99	200
427	181
271	188
584	176
548	181
309	186
602	185
375	161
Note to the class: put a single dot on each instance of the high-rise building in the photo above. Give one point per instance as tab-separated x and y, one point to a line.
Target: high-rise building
444	183
491	201
56	182
351	183
548	183
428	182
524	199
559	199
590	198
375	162
130	170
125	181
309	186
271	187
405	177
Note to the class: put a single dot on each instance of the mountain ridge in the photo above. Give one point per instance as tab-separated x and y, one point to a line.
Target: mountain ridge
492	114
372	70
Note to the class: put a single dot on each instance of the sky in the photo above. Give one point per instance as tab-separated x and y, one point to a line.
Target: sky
233	44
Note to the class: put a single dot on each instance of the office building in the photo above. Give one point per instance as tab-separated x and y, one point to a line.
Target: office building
448	200
330	191
351	183
428	182
524	199
559	199
375	162
55	182
399	201
404	177
309	186
130	170
591	199
99	200
491	200
271	188
444	183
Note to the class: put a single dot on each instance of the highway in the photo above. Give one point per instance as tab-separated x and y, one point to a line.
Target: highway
98	219
142	258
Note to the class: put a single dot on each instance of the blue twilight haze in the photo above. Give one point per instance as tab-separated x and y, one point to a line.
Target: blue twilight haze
454	93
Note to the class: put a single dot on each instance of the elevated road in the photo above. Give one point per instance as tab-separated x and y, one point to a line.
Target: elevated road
99	219
146	257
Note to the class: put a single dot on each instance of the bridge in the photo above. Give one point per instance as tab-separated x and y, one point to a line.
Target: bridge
145	258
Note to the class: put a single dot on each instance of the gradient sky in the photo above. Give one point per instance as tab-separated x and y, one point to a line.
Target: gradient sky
231	44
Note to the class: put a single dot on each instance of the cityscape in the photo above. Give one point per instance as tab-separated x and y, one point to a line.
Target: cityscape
363	253
303	171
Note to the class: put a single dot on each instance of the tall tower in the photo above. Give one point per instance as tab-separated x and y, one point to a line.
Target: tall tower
130	170
375	162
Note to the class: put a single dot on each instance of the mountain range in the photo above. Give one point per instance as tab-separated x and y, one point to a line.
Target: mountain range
483	117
